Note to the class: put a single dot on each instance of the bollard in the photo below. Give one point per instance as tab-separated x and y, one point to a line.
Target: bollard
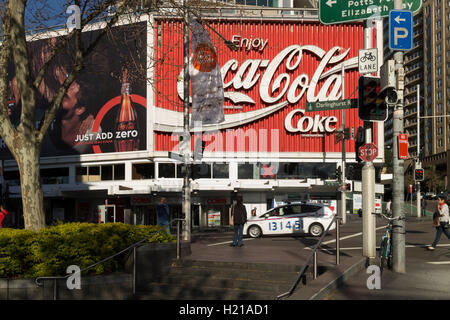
337	241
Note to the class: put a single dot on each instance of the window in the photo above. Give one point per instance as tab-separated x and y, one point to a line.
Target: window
100	173
201	171
141	171
119	171
93	173
12	177
166	170
247	171
107	173
221	171
55	176
307	208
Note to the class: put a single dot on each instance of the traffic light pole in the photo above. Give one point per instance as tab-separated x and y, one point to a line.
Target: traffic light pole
398	232
418	164
368	181
343	204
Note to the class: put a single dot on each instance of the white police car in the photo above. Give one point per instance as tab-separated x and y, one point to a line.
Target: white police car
293	218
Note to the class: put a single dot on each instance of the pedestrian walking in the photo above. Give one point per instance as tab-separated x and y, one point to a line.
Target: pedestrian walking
239	216
442	223
3	214
163	214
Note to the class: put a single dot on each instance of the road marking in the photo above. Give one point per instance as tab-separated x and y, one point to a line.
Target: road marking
439	262
350	236
226	242
407	246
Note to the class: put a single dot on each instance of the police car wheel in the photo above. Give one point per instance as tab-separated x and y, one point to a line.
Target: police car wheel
316	229
254	232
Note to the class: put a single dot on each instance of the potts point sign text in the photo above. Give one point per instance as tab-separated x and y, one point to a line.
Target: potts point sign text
340	11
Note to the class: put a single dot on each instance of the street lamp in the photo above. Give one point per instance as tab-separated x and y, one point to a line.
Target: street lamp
185	143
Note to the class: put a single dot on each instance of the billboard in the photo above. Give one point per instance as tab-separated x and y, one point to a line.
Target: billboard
104	110
279	68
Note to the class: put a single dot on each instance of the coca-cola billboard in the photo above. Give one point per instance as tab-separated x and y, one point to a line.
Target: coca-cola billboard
278	68
104	109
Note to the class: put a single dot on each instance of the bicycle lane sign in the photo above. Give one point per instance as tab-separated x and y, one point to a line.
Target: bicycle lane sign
368	61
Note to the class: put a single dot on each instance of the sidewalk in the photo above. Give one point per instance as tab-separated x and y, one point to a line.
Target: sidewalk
427	274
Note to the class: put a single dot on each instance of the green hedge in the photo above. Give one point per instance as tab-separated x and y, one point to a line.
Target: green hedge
25	254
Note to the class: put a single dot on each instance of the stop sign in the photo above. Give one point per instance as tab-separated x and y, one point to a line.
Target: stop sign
368	152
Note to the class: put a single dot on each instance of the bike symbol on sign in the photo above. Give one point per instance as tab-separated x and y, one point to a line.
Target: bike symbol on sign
368	56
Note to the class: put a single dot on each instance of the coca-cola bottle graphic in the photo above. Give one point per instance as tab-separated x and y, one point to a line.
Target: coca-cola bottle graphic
127	132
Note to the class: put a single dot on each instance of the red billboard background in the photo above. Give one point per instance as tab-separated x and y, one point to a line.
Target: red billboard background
266	41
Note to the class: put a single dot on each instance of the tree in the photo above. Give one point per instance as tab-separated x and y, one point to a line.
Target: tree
25	140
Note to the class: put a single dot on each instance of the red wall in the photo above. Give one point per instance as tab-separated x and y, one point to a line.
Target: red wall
279	35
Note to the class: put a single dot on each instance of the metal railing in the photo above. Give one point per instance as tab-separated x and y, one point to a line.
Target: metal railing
39	280
313	256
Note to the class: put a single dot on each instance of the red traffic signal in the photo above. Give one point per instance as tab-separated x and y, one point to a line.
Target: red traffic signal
418	174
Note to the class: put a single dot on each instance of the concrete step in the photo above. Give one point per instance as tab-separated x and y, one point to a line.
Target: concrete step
195	279
239	265
220	281
159	291
228	273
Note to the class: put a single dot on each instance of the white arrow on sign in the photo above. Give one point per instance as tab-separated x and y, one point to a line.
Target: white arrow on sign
330	3
398	19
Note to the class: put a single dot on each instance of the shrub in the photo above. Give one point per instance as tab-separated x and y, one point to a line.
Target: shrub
51	250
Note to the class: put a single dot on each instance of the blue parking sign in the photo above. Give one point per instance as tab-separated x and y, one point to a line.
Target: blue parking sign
400	30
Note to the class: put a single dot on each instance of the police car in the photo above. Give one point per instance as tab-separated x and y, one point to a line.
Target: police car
292	218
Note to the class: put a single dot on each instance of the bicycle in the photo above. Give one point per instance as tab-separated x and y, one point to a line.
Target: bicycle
385	252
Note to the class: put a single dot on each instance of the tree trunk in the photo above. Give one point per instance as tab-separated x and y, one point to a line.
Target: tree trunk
32	194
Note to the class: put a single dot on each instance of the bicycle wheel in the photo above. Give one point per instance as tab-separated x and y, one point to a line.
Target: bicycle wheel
383	253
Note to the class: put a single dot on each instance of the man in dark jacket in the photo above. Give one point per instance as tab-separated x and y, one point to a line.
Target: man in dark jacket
163	215
239	216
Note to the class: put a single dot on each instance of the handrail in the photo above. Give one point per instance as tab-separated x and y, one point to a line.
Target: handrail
302	272
39	283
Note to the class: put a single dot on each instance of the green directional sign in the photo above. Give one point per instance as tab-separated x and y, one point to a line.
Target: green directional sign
341	11
331	105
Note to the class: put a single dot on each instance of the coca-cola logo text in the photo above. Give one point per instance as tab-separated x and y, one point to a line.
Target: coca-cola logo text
275	87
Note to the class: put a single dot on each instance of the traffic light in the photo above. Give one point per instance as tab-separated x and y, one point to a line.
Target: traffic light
359	141
348	186
418	174
371	102
347	133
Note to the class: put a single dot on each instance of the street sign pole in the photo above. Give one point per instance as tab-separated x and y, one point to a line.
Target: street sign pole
368	181
398	232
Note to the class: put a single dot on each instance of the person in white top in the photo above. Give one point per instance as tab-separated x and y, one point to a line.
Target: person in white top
444	222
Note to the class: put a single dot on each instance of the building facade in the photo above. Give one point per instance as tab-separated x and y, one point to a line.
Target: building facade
427	66
276	144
